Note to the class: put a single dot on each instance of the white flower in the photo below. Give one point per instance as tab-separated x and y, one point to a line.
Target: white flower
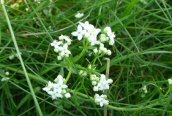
144	88
111	42
61	46
85	25
110	34
103	50
103	38
95	88
107	30
101	100
91	34
56	44
79	15
7	73
5	79
109	52
59	78
101	45
59	57
104	83
38	1
94	78
95	50
11	57
83	73
88	31
67	95
100	83
170	81
79	33
66	39
49	87
27	9
94	83
89	66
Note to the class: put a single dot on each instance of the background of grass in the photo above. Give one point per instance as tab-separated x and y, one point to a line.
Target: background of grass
141	56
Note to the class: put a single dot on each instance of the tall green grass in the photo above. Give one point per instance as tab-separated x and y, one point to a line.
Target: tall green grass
142	55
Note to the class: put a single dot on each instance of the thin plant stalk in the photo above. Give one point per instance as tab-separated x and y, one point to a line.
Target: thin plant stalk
20	58
107	76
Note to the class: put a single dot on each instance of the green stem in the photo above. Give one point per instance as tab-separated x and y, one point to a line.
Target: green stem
21	60
85	44
70	71
80	55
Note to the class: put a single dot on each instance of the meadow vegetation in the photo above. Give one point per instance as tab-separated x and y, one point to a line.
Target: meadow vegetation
140	62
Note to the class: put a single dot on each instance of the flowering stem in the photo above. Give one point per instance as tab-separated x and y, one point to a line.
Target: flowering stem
97	58
80	55
85	44
168	91
108	67
46	56
70	70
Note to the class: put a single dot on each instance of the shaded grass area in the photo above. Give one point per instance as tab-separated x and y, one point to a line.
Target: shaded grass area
141	56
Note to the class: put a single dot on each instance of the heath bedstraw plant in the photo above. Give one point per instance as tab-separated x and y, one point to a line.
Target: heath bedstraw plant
97	41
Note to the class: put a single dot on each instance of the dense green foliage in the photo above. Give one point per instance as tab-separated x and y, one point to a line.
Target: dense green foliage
141	56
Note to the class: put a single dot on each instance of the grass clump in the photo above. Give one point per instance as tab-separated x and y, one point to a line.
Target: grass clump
140	62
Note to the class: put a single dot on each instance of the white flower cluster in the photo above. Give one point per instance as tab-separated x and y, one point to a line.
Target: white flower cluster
107	36
144	88
57	89
100	83
61	46
101	100
88	31
102	50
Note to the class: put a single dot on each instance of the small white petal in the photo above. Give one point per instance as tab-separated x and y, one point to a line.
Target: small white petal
5	79
67	95
170	81
79	15
95	88
109	52
59	57
80	37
